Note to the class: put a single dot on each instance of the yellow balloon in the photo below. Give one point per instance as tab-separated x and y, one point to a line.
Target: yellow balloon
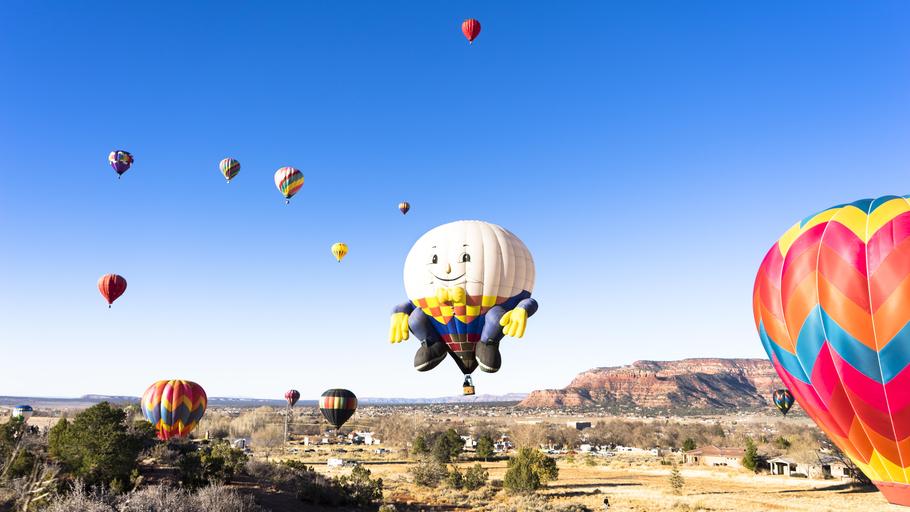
339	250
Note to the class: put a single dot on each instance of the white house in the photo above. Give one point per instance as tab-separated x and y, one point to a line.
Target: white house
469	442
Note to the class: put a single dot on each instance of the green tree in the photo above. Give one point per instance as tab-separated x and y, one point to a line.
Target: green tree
360	488
218	462
750	459
689	444
676	480
448	446
529	470
485	447
428	473
11	436
419	446
97	446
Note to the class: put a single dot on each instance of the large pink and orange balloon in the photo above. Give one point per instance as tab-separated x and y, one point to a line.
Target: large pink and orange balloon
832	305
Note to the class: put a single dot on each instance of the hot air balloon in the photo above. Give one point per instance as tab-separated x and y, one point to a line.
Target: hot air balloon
111	287
229	168
832	304
23	412
288	180
783	399
174	407
338	405
339	250
292	396
469	284
404	206
471	29
120	160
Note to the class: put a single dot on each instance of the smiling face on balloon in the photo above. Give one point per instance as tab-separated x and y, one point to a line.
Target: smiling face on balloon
486	260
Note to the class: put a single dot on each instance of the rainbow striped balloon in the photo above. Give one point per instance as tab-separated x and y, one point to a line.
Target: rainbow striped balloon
229	168
832	305
288	180
174	407
338	405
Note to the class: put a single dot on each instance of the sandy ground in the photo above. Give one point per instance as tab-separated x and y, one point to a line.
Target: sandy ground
643	488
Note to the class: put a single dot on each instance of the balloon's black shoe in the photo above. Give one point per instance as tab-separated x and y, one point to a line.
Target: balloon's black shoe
488	358
429	356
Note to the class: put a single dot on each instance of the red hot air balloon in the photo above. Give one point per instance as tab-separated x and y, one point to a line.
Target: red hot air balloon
471	29
111	287
292	396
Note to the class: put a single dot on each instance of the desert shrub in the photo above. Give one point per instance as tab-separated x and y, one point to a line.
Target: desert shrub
164	454
782	443
528	470
689	444
455	478
360	489
97	445
388	507
214	463
428	473
475	477
83	500
590	460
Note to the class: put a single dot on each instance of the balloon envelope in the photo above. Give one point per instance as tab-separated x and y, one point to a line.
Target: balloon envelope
174	407
404	206
23	411
111	287
229	168
338	405
490	263
831	304
292	396
471	29
288	180
120	160
783	399
339	250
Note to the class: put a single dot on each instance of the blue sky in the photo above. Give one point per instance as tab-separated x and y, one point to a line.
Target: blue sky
647	153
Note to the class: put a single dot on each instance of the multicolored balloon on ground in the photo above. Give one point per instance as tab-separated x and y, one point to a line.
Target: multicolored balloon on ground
292	396
120	160
832	305
288	180
174	407
339	250
24	412
230	168
111	287
471	29
338	405
783	399
469	284
404	207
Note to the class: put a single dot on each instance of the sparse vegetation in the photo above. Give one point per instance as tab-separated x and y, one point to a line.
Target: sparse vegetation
750	459
428	473
676	480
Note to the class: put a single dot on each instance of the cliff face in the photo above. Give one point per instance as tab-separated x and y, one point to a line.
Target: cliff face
696	384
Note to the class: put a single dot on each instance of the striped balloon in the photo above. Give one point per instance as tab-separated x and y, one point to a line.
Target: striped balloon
832	305
288	180
292	396
338	405
471	29
229	168
24	412
111	287
339	250
174	407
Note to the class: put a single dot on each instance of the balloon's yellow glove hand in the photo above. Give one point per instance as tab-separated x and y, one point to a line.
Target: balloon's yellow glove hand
514	322
398	331
451	296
